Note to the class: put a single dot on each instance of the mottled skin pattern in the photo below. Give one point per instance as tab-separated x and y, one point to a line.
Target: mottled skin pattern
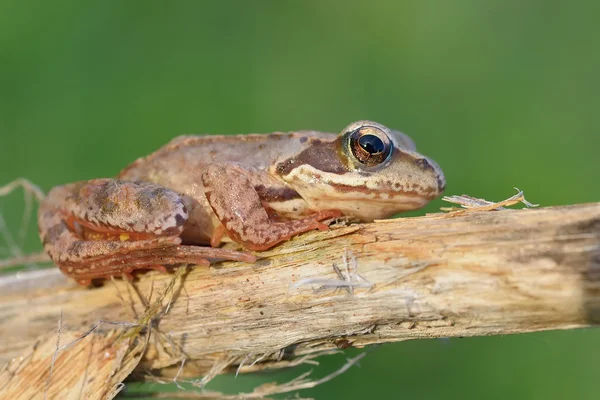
257	190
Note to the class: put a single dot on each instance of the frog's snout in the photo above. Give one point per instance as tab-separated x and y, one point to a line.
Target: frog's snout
431	167
429	173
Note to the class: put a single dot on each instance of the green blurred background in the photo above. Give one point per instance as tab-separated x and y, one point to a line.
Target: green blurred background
499	93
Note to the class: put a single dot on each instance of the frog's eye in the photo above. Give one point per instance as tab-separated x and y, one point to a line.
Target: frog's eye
370	145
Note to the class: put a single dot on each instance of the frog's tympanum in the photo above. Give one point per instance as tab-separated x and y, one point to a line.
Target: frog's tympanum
177	204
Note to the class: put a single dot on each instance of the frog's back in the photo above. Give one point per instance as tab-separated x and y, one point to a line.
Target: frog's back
190	154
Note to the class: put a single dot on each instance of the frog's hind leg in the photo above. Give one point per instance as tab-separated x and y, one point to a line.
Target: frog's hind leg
104	228
119	210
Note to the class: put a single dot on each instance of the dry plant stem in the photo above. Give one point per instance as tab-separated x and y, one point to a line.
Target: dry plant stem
443	275
268	389
24	259
29	190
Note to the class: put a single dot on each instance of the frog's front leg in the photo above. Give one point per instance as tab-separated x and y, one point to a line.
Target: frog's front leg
238	206
106	227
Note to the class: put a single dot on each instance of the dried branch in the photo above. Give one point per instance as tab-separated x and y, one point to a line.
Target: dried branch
443	275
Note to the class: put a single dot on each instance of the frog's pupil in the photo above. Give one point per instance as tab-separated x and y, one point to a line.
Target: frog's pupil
371	144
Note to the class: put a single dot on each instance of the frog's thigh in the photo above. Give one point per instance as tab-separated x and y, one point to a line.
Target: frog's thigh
238	206
137	207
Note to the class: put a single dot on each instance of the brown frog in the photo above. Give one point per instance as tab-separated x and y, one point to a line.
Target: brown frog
257	190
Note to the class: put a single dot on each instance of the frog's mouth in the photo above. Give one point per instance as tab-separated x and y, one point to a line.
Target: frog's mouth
368	207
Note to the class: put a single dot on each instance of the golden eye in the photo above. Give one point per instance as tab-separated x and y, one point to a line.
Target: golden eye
369	145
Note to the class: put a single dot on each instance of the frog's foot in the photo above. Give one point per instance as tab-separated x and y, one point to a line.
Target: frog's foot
141	255
127	275
160	268
323	215
264	237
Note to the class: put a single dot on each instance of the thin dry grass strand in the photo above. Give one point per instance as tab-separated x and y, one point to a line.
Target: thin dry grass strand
96	326
27	186
300	382
177	375
476	204
258	359
17	257
121	354
126	305
241	364
218	367
54	355
13	248
25	259
29	189
308	359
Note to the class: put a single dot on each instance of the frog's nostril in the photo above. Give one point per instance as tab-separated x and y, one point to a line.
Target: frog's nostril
424	164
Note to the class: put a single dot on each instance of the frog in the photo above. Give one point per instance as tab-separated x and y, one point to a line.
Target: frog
177	205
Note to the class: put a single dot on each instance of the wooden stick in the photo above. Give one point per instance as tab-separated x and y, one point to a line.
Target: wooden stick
463	273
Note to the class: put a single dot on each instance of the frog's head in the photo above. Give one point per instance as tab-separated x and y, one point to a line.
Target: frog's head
368	171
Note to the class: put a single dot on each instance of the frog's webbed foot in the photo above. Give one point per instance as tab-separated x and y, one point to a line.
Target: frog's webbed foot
105	227
239	208
145	254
